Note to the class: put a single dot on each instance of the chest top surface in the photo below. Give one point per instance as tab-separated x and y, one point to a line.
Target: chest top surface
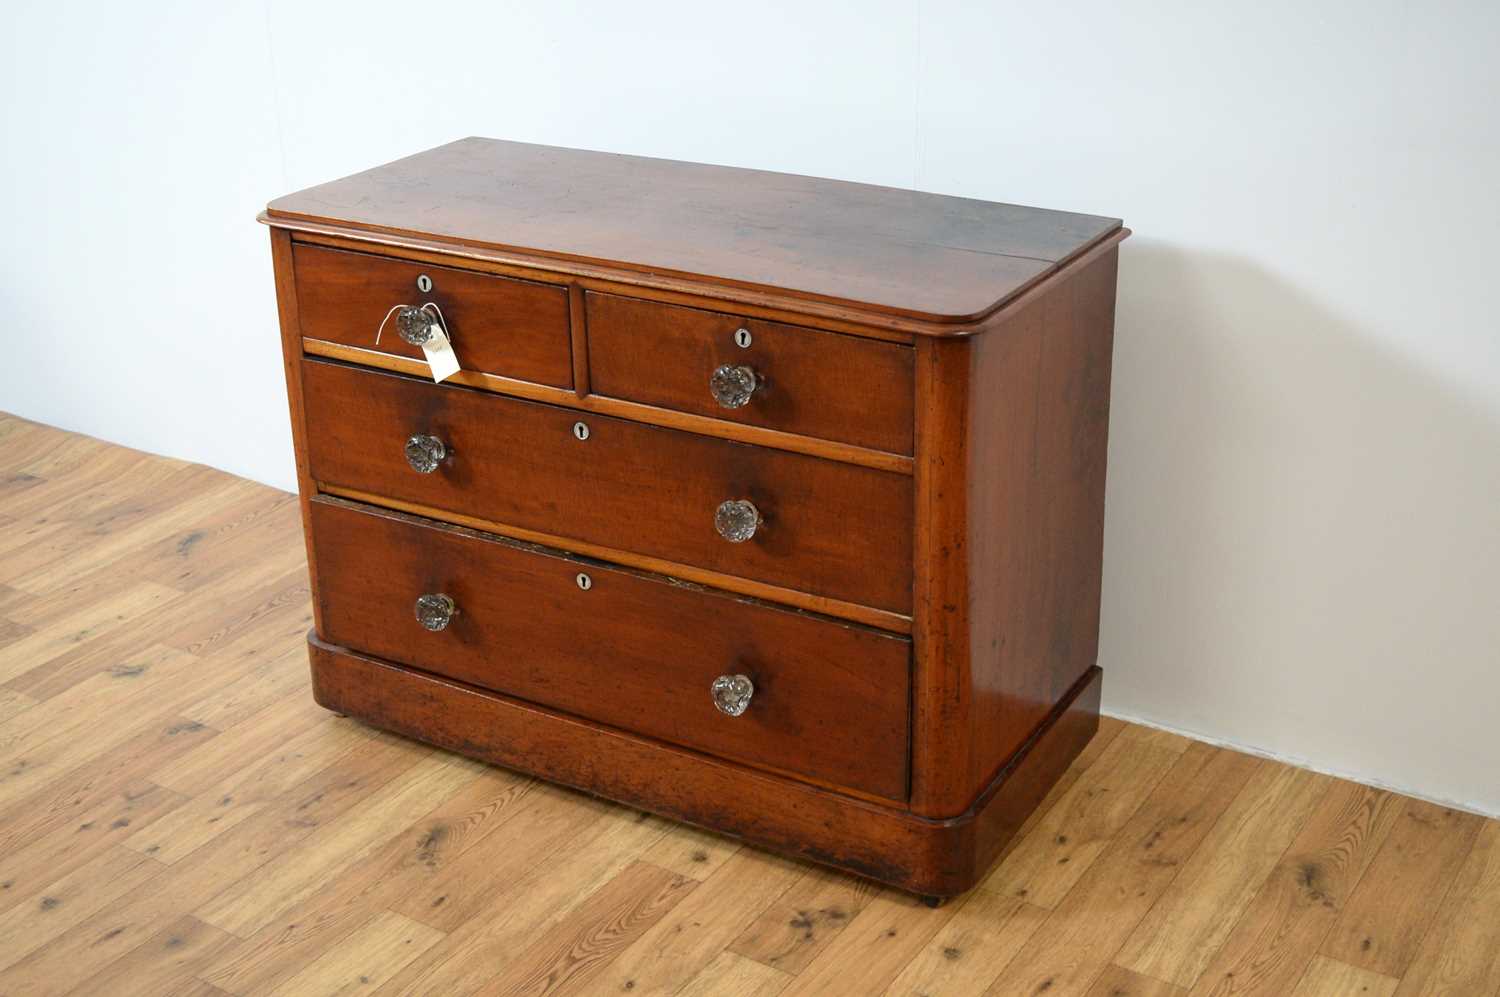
877	249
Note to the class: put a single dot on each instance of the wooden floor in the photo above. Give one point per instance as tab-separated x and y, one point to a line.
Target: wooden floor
177	817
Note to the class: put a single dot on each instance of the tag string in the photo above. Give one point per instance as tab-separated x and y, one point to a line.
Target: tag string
441	321
381	328
430	305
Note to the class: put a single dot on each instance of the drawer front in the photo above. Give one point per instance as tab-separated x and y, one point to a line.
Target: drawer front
835	530
821	384
635	651
513	328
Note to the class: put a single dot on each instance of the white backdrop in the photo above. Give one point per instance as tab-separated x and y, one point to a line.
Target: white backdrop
1303	537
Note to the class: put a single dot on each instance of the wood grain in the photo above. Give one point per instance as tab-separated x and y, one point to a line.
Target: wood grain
1011	436
588	939
885	250
71	898
255	901
407	863
290	322
640	653
822	605
1178	938
1085	931
1460	953
1120	982
803	920
853	390
767	303
937	858
734	974
357	860
1303	896
986	931
1382	926
586	278
868	955
830	528
375	952
1327	976
162	963
498	325
512	911
1043	868
683	943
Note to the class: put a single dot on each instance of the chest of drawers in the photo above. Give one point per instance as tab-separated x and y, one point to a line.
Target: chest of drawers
767	503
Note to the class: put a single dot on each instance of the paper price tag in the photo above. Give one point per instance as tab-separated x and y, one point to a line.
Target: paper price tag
440	356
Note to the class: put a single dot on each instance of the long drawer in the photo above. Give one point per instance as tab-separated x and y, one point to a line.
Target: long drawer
828	700
834	530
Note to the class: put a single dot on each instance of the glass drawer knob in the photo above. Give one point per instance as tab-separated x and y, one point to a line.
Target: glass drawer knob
733	385
737	520
425	453
434	611
732	693
415	325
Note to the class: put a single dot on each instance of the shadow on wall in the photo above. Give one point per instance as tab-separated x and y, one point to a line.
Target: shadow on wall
1302	537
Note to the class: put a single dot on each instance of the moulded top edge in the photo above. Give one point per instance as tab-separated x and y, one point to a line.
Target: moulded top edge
873	250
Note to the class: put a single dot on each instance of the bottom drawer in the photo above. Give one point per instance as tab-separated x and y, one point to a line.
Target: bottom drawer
633	650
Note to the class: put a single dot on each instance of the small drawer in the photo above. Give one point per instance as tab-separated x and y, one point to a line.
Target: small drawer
830	529
827	700
820	384
513	328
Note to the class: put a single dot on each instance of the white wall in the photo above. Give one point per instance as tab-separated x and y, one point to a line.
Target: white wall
1303	542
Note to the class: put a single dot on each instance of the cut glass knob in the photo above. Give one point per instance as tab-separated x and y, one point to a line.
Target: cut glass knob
737	520
732	693
733	385
415	325
425	453
434	611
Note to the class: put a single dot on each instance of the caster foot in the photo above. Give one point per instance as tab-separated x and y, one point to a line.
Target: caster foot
934	902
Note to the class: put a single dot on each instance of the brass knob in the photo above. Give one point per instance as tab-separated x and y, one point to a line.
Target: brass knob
733	385
424	453
435	611
737	520
731	693
416	325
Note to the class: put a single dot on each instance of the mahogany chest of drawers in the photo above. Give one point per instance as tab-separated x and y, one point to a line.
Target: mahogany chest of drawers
764	502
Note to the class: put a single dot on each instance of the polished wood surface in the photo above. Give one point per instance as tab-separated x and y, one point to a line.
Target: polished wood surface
290	322
187	821
651	415
842	388
635	651
498	325
831	529
822	605
940	258
1012	430
584	277
984	547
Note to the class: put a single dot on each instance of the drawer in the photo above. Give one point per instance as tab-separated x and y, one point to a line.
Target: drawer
633	650
513	328
835	530
821	384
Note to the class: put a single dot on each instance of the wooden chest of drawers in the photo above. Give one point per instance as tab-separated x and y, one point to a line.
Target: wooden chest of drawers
768	503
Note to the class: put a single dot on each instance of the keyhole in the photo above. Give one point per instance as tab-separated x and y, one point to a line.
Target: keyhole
742	338
581	430
584	581
424	283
